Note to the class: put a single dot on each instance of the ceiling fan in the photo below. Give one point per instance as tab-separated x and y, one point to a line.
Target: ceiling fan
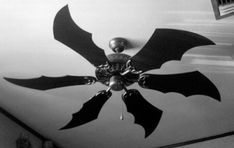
118	71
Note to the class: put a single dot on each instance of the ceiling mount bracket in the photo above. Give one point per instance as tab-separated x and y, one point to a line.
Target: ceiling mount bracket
118	44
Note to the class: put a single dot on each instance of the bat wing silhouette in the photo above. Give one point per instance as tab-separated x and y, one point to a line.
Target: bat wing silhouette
89	111
187	84
46	83
68	33
145	113
166	45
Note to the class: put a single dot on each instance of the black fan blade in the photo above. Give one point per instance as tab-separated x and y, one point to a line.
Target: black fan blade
165	45
188	84
67	32
45	83
90	110
145	113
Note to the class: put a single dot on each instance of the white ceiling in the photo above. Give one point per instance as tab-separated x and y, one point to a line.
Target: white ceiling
28	49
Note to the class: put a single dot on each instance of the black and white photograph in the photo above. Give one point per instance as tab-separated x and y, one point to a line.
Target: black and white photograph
117	74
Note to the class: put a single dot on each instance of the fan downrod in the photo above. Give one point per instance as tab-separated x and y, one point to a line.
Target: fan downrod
118	44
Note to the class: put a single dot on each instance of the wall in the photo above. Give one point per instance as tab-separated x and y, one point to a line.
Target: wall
10	131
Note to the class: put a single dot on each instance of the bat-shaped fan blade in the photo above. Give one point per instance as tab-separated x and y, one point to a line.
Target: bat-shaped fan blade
90	110
145	113
45	83
67	32
188	84
165	45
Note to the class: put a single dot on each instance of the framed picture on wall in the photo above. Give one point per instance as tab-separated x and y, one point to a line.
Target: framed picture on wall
23	142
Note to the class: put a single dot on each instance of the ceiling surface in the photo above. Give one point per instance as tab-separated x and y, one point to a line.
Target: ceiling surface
28	49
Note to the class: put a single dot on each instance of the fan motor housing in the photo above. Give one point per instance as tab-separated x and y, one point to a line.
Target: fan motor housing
110	74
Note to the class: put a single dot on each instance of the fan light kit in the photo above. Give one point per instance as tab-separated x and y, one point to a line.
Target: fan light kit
118	71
